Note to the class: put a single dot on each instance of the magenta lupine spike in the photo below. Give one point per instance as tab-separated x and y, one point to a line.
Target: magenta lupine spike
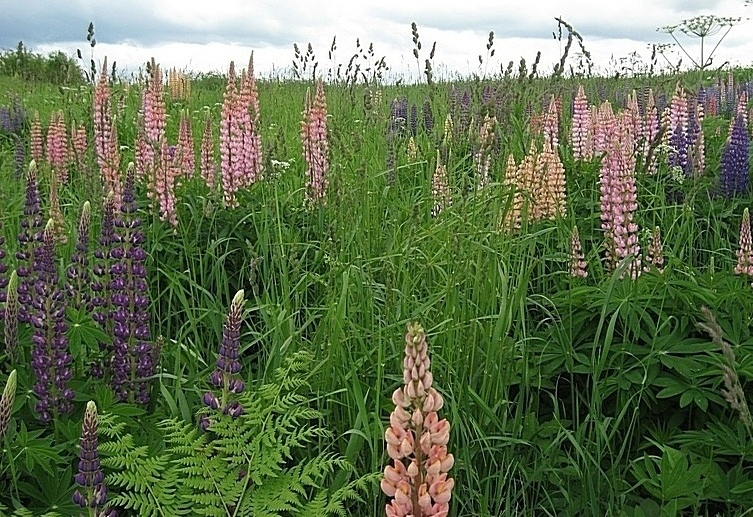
143	150
581	125
37	148
316	146
231	151
745	247
440	189
208	164
577	260
185	150
417	480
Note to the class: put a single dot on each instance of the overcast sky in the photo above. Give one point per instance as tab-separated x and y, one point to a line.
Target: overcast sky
204	36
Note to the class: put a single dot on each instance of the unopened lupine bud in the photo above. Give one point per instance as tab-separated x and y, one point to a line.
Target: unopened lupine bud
6	403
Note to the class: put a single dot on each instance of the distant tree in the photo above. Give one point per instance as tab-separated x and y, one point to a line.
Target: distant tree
56	67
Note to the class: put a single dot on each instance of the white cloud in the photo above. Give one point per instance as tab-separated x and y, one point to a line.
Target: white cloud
191	35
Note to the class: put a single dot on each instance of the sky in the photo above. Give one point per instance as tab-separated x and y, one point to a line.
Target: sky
204	36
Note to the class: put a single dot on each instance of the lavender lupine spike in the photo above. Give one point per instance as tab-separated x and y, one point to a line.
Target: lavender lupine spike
77	285
51	360
6	403
11	318
417	480
91	479
29	240
225	376
132	364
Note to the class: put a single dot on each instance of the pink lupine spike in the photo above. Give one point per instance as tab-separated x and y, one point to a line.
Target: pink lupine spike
581	124
745	247
417	478
208	165
316	146
185	150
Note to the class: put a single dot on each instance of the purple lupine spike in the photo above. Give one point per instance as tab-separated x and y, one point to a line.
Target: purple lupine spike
29	242
132	358
428	116
100	285
77	285
91	479
225	375
51	360
735	160
413	119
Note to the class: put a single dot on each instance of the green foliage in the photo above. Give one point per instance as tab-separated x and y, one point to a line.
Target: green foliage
55	68
251	465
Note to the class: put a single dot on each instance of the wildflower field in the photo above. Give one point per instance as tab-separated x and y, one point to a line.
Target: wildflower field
228	295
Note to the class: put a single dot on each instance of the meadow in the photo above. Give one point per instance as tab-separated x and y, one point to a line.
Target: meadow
233	295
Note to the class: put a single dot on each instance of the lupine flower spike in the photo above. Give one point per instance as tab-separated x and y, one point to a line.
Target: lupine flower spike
11	318
745	248
417	440
91	479
577	261
225	375
6	403
655	250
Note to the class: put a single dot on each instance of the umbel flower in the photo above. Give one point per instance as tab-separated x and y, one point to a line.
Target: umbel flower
225	375
416	480
91	479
